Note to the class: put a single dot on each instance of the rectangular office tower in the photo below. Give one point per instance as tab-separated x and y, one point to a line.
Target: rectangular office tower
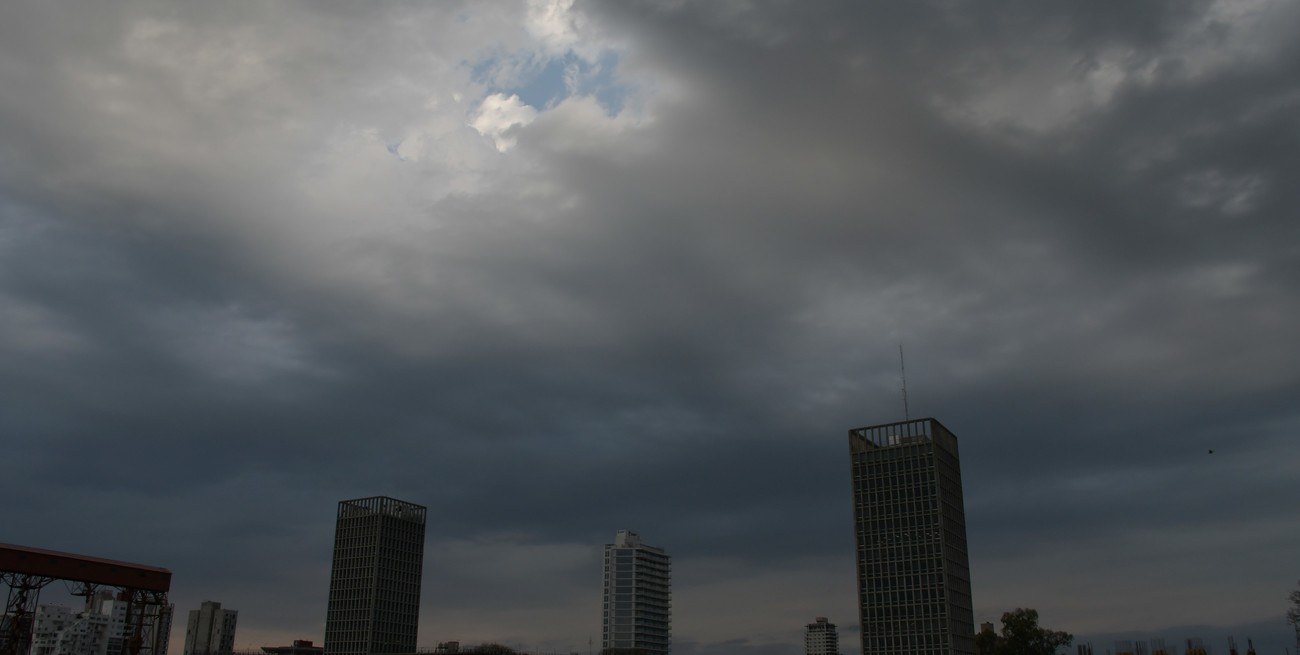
374	603
637	615
914	592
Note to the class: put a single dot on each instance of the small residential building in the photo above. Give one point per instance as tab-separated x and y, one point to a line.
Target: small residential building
820	638
210	630
299	647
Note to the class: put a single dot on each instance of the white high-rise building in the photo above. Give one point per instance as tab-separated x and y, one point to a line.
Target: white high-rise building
210	630
820	638
637	614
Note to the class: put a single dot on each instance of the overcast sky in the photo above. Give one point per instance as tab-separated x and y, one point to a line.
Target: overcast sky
557	268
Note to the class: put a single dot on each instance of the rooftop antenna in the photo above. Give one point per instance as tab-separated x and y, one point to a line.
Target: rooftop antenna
902	369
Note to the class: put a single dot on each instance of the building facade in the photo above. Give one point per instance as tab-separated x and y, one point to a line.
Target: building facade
210	630
57	630
101	629
162	633
820	638
637	612
374	599
909	518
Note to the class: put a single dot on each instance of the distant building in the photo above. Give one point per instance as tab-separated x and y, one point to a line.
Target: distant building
914	595
374	599
637	613
100	629
163	626
210	630
299	647
820	638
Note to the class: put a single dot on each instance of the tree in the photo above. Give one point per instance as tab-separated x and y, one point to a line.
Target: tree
1293	616
1293	613
986	640
1021	635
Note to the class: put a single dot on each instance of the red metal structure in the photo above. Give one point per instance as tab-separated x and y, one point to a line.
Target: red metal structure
27	570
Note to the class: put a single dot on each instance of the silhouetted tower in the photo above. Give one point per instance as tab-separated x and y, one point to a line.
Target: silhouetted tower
374	603
914	595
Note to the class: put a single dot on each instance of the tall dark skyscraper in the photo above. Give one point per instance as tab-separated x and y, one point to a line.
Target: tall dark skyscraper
374	605
637	615
914	594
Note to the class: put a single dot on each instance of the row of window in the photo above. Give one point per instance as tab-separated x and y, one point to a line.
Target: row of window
353	630
389	532
395	592
885	612
912	483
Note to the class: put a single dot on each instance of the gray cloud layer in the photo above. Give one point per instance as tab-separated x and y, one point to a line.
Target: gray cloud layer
254	259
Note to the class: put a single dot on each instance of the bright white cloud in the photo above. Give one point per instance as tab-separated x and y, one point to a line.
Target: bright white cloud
498	115
554	25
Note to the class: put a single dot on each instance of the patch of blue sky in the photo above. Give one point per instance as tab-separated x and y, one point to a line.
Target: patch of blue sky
546	83
601	83
481	70
546	87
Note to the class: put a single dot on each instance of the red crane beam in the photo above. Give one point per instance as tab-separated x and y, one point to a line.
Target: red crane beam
83	568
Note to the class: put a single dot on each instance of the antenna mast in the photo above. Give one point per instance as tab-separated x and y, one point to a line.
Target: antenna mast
903	371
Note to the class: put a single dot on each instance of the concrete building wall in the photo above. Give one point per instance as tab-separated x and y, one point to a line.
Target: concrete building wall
101	629
637	609
210	630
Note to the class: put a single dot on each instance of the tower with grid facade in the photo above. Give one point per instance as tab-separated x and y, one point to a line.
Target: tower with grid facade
637	613
914	593
374	600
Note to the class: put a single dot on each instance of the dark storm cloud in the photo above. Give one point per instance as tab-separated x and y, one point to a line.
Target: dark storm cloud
230	300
